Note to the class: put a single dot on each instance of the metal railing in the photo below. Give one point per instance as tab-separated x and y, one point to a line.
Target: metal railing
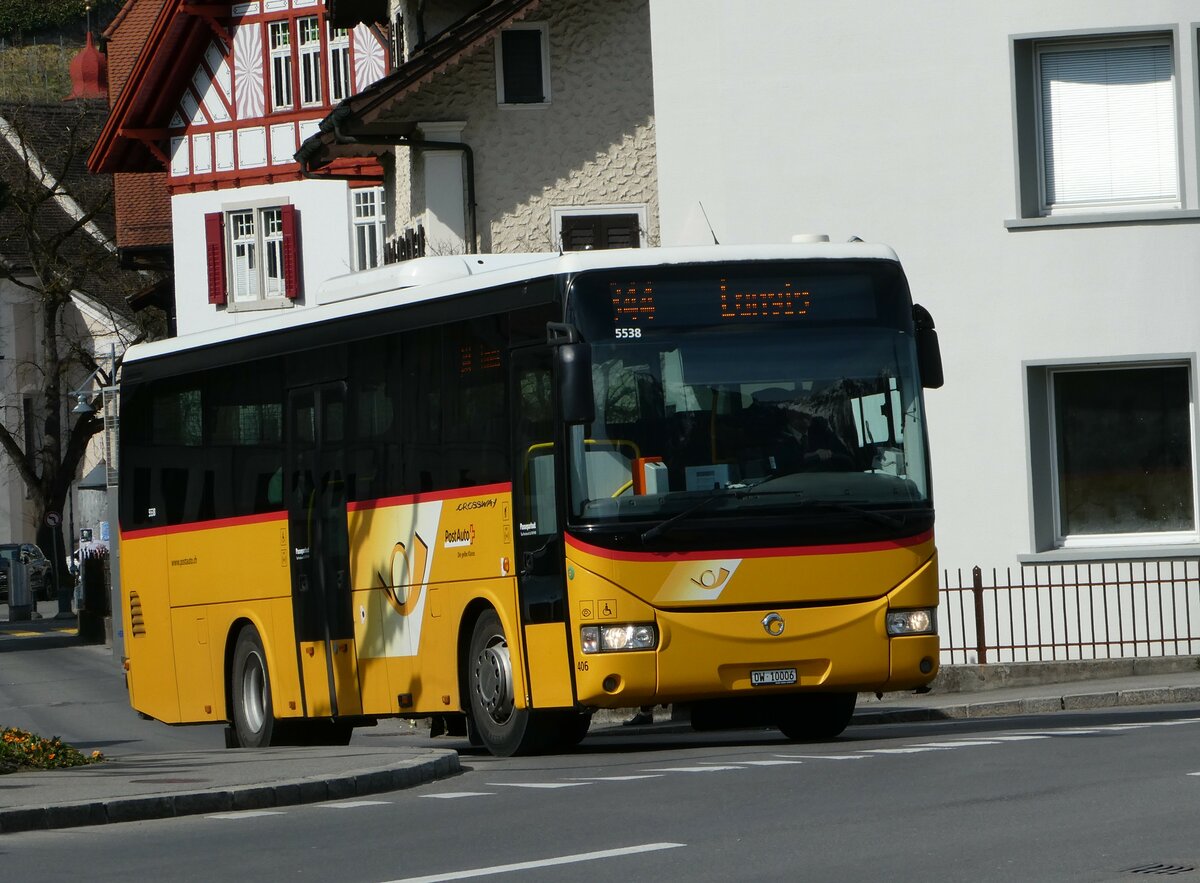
1041	613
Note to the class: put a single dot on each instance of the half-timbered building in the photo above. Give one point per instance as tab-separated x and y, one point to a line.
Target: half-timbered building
218	100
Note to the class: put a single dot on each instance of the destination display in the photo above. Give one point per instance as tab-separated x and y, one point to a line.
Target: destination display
734	300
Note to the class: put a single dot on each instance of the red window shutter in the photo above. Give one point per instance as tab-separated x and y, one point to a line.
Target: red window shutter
214	237
291	251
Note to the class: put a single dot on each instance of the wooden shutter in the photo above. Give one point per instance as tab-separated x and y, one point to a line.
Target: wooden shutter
214	238
523	75
291	251
586	232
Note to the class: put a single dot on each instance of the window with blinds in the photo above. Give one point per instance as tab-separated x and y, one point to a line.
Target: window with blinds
1108	131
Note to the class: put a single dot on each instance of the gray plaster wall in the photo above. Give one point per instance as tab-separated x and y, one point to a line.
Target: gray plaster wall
896	122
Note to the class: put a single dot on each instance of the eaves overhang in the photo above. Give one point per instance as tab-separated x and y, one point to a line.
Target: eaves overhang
360	125
137	124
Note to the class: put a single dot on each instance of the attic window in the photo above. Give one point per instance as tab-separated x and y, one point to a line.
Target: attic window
523	66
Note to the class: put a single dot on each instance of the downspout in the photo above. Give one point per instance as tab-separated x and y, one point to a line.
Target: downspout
341	137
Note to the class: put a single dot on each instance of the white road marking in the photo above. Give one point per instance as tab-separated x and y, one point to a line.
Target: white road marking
769	762
694	769
912	749
965	743
542	863
1027	737
450	795
533	784
247	814
615	778
355	804
825	756
1194	774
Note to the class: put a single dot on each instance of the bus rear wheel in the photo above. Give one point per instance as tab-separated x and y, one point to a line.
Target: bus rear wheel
504	729
253	721
816	716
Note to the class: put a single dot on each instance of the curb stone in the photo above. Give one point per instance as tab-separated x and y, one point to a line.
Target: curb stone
437	764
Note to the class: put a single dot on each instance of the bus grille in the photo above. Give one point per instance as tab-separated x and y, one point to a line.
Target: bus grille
137	622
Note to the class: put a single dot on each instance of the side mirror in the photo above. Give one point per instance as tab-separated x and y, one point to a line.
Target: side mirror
929	352
574	363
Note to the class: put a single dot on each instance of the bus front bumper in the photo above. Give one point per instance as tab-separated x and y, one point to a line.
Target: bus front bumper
726	654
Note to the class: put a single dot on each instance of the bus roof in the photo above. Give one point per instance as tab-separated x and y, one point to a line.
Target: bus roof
423	279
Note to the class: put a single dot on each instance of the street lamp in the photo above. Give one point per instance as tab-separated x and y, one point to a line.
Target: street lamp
82	405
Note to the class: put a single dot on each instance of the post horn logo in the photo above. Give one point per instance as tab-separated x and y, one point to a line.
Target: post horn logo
772	624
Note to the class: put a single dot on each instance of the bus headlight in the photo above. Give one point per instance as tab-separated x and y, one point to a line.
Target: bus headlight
610	638
919	621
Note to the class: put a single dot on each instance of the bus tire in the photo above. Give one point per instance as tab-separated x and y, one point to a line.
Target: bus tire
504	729
816	716
253	721
575	727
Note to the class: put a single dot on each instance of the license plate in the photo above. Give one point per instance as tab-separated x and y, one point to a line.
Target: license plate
772	676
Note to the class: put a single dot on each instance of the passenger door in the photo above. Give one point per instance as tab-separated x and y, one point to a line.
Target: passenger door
319	549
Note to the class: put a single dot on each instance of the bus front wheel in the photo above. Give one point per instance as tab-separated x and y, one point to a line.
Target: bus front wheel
503	728
816	716
253	721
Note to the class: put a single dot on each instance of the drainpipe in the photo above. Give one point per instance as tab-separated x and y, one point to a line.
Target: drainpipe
334	124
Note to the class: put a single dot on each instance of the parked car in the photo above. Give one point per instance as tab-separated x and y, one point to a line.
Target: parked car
41	581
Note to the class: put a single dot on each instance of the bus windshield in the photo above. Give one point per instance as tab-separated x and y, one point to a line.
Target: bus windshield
792	390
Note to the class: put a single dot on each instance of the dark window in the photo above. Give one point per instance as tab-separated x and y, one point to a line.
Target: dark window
1123	450
204	448
475	428
521	51
586	232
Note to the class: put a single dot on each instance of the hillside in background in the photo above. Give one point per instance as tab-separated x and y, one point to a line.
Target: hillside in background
36	73
38	41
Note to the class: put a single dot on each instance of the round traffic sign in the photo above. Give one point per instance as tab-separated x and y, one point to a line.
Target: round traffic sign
53	519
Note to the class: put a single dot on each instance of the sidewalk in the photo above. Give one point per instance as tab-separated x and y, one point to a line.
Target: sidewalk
136	787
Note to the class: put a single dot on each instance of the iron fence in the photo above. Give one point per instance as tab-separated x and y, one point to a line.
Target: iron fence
1042	613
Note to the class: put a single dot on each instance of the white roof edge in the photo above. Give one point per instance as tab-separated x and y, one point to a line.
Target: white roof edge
445	276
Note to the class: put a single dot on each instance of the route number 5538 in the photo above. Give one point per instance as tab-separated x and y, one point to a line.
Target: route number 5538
628	332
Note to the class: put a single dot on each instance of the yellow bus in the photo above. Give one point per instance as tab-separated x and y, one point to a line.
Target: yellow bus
502	492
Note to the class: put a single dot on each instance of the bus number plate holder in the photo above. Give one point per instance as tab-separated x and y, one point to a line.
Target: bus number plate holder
771	677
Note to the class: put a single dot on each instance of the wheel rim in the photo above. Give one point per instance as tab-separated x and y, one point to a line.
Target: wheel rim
254	683
493	679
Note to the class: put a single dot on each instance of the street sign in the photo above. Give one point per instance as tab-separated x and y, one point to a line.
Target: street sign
53	519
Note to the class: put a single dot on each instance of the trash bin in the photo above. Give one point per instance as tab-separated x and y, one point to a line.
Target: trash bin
20	599
94	601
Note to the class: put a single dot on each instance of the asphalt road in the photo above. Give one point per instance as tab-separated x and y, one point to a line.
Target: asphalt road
1106	795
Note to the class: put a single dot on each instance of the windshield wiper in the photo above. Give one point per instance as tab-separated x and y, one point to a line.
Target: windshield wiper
662	527
833	505
868	514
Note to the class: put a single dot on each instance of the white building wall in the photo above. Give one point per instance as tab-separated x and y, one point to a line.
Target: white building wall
895	122
593	144
325	240
17	340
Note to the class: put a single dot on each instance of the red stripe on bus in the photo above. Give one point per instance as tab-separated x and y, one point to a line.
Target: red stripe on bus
430	496
203	525
778	552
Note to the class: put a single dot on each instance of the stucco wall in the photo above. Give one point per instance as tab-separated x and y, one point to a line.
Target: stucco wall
592	145
325	232
895	122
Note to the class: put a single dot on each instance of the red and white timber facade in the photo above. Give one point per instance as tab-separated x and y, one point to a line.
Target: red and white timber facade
220	98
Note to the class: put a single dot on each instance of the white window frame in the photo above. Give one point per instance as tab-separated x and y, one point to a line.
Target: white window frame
544	28
339	64
280	74
267	291
308	44
367	227
1171	200
1109	540
558	212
